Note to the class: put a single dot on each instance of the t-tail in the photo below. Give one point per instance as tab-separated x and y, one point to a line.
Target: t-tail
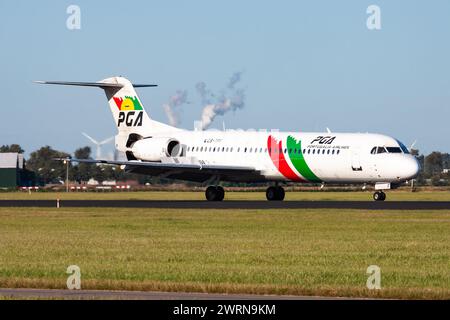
130	117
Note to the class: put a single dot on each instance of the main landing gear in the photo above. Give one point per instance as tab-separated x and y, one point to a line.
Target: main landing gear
275	193
217	193
379	196
214	193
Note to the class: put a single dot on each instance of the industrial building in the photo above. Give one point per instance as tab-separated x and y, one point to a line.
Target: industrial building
12	171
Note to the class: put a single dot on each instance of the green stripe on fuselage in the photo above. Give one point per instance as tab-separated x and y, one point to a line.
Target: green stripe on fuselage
297	159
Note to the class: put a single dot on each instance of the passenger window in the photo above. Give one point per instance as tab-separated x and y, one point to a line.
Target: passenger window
309	151
231	149
337	152
245	150
323	151
314	151
333	152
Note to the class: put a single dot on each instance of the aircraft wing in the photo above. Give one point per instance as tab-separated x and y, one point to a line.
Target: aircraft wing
183	171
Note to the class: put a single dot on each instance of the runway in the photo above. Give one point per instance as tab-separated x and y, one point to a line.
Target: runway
200	204
142	295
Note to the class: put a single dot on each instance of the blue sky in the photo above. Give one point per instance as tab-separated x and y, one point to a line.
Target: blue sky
307	65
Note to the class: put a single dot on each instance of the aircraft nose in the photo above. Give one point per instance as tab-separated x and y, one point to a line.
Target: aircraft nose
411	167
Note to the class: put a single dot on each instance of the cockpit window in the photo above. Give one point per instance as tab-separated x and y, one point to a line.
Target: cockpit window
403	147
377	150
381	150
394	150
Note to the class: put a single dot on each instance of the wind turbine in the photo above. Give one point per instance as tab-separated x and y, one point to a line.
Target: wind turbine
98	144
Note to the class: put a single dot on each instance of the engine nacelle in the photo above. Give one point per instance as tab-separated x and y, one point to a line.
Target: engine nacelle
153	149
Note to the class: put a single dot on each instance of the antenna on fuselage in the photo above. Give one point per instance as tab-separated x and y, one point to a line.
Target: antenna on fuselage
412	145
328	130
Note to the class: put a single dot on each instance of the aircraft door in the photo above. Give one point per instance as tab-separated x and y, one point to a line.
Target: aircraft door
356	160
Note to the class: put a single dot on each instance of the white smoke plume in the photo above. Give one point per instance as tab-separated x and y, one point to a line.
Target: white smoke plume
172	107
204	93
235	78
230	99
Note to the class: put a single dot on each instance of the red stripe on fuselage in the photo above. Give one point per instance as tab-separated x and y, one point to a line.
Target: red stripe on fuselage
278	159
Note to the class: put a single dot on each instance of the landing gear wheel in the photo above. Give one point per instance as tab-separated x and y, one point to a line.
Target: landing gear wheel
280	193
210	193
275	193
214	193
220	193
271	193
379	196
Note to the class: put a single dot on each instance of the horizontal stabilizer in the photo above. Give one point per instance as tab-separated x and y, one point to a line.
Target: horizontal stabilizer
94	84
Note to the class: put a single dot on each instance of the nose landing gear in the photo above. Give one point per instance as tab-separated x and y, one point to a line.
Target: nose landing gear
275	193
379	196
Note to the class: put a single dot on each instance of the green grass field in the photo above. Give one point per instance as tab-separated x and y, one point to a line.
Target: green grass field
301	252
399	195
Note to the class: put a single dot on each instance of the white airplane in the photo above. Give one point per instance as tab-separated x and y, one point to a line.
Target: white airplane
157	149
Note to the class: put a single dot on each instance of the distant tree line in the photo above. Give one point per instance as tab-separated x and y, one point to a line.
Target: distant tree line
434	168
48	171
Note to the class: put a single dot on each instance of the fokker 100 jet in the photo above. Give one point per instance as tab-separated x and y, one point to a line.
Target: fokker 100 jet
157	149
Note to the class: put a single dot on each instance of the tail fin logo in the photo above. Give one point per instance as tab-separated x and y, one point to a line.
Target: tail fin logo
128	104
131	112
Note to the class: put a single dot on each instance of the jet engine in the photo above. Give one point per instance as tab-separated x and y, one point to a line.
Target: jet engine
154	149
